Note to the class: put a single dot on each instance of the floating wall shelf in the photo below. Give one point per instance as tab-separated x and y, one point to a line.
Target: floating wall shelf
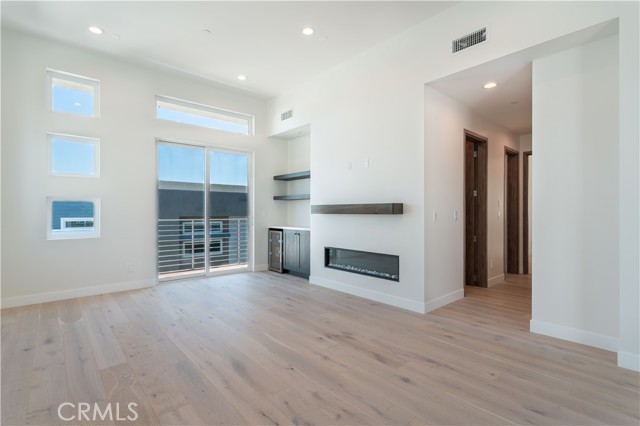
289	177
375	208
292	197
294	176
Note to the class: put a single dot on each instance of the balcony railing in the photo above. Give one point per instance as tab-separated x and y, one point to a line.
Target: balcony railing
181	244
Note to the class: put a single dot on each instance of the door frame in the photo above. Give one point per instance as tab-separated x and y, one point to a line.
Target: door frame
511	153
525	211
481	214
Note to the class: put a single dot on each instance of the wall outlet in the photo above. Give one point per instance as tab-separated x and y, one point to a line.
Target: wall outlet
435	216
491	263
128	267
365	163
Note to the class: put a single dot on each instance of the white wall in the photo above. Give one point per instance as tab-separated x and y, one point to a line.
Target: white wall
576	194
529	204
629	178
525	145
445	122
35	269
298	159
372	105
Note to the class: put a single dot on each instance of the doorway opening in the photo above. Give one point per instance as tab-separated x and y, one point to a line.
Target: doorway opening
512	213
203	211
475	208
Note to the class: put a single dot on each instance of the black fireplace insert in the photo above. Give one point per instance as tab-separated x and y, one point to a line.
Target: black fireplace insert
385	266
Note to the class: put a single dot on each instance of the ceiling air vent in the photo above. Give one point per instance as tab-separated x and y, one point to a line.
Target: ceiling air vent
469	40
286	115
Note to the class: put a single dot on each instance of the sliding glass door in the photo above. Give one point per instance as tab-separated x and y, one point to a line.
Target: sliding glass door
228	209
202	229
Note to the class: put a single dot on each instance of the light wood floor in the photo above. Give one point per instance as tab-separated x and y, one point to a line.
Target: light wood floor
264	348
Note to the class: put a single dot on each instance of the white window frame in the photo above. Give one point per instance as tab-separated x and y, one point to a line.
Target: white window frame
206	111
73	233
187	253
217	224
221	242
73	79
65	220
77	139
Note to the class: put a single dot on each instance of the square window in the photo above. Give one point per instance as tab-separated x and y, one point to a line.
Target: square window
73	155
73	94
69	218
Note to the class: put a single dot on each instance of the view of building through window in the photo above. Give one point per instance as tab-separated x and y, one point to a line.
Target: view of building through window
186	205
71	218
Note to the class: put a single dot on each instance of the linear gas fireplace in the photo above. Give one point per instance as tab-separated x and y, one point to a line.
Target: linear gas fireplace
377	265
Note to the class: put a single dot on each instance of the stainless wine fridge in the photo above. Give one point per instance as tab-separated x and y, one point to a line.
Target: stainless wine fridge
275	250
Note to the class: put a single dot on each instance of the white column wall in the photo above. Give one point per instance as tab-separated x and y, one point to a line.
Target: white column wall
576	194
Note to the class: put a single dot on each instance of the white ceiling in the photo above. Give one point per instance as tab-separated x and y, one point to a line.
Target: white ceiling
508	105
262	40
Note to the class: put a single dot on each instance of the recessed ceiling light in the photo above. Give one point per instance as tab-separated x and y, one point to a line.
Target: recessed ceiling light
490	85
242	77
308	31
96	30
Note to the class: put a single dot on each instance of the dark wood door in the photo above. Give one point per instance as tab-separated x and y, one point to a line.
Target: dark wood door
512	204
475	162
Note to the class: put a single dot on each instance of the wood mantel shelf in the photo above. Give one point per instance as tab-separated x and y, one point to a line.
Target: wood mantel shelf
375	208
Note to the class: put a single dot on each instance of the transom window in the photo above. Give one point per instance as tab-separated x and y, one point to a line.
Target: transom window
186	112
73	94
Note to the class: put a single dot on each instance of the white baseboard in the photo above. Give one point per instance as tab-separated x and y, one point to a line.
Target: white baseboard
261	268
399	302
629	360
495	280
439	302
32	299
574	335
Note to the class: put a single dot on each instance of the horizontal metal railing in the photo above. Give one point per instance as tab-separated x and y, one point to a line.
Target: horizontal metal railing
181	244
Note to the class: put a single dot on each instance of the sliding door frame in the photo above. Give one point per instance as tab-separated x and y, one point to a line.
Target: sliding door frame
208	272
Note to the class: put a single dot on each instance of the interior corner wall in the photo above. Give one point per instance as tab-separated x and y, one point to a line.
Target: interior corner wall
576	194
298	159
445	122
37	269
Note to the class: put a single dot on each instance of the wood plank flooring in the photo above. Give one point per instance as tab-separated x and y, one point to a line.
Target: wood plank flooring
263	348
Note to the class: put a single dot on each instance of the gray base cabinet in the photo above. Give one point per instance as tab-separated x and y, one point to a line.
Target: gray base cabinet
296	246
